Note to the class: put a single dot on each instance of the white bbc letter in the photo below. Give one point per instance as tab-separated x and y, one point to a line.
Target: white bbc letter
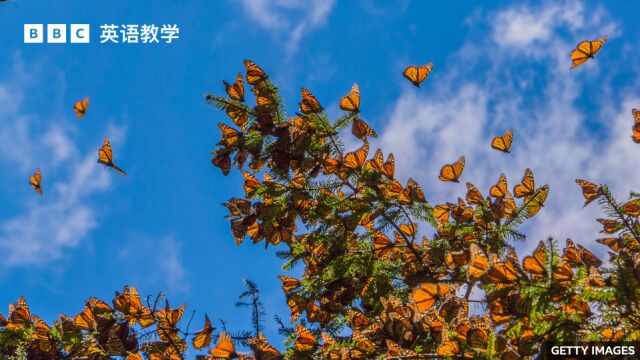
33	33
79	33
57	33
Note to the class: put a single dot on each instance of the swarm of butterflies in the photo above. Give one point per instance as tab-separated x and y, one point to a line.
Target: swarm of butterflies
105	155
360	236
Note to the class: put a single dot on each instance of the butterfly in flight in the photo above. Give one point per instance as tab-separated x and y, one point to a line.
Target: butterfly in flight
105	156
80	107
35	180
636	125
452	172
503	142
417	74
586	50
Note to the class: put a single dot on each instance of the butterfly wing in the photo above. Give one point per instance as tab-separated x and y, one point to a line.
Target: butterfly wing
586	50
255	74
235	91
351	102
417	74
452	172
35	181
80	107
503	142
527	185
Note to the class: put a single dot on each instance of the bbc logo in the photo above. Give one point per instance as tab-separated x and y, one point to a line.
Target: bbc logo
56	33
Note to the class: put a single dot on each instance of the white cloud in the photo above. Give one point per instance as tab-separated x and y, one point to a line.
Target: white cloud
60	220
277	16
554	132
157	260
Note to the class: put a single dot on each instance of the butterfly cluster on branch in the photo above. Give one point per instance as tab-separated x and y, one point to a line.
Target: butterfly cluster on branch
385	273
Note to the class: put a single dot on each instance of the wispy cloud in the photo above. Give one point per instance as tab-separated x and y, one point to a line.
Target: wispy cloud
60	220
519	78
289	19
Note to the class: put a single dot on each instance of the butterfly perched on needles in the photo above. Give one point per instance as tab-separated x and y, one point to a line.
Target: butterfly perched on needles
452	172
586	50
503	142
417	74
35	181
80	107
105	156
636	125
235	90
351	102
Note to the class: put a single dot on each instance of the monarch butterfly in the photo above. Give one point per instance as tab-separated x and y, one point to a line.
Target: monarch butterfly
35	181
499	190
503	142
305	340
262	349
576	254
590	191
355	160
235	91
203	337
425	296
351	102
289	283
527	185
477	338
586	50
224	349
636	125
382	245
536	201
474	196
80	107
361	129
536	265
395	351
417	74
105	156
452	172
85	320
309	104
442	212
19	314
478	262
255	74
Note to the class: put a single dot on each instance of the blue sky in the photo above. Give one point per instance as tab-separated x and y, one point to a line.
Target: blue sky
163	226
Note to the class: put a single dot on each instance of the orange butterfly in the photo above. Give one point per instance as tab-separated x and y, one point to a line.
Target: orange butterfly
474	196
35	181
361	129
527	186
636	125
536	201
309	103
203	337
590	191
586	50
305	341
224	349
235	91
452	172
503	142
417	74
255	74
289	283
351	102
355	160
105	156
425	296
499	190
80	107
